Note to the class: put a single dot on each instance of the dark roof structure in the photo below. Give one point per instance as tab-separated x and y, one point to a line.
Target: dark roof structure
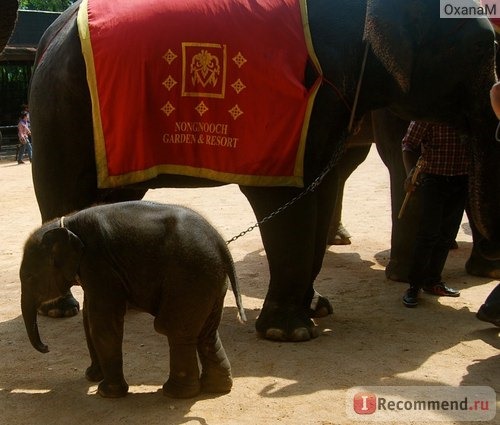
16	63
30	26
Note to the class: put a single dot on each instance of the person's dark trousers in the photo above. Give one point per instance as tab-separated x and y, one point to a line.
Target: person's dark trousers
442	206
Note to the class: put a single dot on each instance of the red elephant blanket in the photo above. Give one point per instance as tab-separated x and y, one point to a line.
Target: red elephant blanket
204	88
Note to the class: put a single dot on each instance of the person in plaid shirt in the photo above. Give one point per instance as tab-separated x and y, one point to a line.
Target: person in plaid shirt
442	189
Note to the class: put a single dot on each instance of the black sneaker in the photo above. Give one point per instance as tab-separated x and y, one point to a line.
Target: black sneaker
410	298
441	290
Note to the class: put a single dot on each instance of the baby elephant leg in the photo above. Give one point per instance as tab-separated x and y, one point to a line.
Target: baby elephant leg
216	370
104	340
184	378
93	372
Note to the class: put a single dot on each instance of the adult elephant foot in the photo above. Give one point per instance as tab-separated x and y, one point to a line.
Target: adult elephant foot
290	323
338	236
477	265
65	306
320	306
285	324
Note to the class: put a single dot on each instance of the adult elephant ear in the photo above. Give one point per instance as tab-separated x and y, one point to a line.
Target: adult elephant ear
65	251
8	17
393	29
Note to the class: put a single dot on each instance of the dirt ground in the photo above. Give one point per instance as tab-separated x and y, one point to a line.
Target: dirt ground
371	339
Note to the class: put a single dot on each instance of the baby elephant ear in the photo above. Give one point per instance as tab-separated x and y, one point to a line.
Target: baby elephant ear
65	250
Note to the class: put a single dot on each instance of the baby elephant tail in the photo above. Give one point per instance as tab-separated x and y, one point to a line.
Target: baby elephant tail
231	272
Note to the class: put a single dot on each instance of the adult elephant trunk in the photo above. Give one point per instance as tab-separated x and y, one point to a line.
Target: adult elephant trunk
8	16
465	94
29	310
484	192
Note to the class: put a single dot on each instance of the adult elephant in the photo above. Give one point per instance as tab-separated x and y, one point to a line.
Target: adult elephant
386	130
412	55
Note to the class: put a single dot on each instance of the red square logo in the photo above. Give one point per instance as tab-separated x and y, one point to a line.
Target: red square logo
365	403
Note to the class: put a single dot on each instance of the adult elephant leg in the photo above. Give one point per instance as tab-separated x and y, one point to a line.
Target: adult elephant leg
318	305
294	241
289	241
350	160
477	264
64	171
403	231
63	165
64	175
388	132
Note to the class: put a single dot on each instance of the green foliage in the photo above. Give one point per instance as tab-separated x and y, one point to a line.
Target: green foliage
49	5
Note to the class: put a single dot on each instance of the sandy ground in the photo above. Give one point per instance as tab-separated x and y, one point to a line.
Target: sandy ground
371	339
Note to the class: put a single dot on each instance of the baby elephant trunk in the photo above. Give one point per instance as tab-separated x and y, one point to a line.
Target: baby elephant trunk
29	310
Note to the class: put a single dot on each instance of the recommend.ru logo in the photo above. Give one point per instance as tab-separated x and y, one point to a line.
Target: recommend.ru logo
421	403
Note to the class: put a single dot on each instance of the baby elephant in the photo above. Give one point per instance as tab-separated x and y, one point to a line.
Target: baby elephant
163	259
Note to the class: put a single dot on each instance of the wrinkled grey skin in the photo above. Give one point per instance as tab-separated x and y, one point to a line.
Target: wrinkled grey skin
163	259
413	56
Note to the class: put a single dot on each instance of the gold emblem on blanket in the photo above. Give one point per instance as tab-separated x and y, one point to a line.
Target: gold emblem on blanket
203	69
169	56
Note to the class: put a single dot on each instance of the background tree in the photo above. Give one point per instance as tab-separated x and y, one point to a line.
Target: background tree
49	5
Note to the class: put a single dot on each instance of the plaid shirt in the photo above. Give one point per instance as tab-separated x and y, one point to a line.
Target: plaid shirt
444	151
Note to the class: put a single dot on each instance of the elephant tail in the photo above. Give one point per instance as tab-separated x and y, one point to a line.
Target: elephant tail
231	272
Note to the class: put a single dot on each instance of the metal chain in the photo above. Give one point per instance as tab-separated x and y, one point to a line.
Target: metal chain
311	188
336	155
